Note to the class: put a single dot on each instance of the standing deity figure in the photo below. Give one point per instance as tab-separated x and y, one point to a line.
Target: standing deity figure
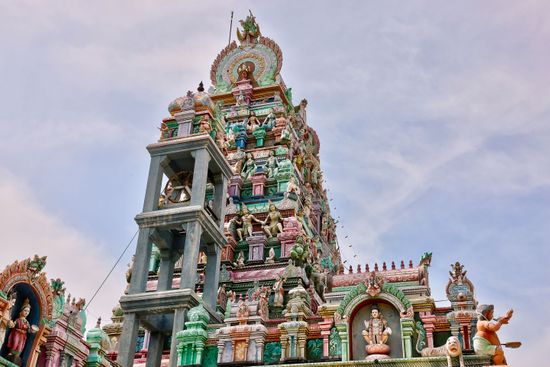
275	218
20	328
236	227
486	341
271	165
376	330
278	299
269	121
249	167
247	219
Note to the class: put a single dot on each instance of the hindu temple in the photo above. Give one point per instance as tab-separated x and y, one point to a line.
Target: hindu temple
237	260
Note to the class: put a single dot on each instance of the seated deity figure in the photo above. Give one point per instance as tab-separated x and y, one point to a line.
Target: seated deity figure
275	219
486	341
240	261
18	335
270	259
376	333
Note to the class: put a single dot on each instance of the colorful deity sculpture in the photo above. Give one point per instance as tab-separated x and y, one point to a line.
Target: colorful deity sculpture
20	327
486	341
249	167
269	121
376	334
278	299
5	321
247	219
275	222
271	165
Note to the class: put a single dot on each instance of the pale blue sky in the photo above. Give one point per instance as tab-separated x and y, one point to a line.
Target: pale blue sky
433	120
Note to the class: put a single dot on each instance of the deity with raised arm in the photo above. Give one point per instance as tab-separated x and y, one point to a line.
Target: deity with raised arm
486	341
247	219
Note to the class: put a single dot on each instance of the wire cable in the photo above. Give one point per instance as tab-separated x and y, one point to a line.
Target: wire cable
112	269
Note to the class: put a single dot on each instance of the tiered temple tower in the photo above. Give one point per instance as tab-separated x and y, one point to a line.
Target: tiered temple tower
237	261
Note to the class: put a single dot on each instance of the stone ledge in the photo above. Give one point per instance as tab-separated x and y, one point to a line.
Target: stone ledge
469	361
158	302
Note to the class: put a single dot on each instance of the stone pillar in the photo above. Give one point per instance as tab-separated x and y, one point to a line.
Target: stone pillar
179	321
325	326
154	182
407	330
154	352
166	270
140	266
284	346
258	184
190	256
344	337
220	189
235	185
212	277
185	122
200	176
127	341
428	320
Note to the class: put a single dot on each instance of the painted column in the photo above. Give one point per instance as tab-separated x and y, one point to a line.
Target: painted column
258	184
407	330
185	122
235	185
428	320
344	337
325	332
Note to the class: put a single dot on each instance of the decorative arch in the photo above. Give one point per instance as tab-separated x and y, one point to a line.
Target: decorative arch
27	279
29	271
362	294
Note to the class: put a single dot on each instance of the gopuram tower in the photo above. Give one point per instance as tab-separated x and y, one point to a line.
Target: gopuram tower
237	261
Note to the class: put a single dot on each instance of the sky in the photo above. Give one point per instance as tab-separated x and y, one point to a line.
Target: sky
433	120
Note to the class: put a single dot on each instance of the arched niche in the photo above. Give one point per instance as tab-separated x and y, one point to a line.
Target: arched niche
27	279
361	313
356	307
24	291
